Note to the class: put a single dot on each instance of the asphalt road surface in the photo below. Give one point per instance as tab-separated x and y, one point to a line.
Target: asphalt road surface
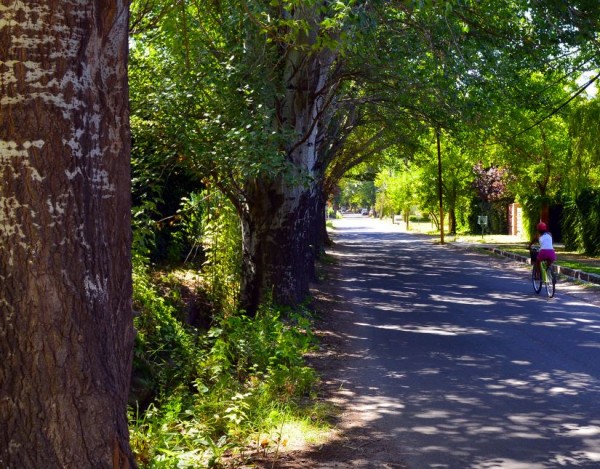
456	363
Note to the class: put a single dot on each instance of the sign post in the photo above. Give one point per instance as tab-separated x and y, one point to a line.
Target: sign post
482	220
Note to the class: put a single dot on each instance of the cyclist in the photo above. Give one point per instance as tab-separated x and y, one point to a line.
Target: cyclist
546	252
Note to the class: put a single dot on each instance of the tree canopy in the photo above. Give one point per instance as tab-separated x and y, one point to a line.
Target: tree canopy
273	102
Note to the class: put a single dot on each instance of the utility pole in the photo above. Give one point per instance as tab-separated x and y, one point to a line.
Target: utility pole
440	196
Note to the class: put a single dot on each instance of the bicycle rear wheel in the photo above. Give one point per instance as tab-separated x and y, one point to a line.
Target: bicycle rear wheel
536	279
550	282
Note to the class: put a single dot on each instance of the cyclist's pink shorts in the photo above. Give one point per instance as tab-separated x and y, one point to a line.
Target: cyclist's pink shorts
546	255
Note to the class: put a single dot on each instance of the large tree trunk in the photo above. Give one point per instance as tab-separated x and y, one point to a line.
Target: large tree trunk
279	260
280	216
66	331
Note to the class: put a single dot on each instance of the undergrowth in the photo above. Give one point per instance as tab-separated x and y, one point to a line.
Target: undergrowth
211	387
202	397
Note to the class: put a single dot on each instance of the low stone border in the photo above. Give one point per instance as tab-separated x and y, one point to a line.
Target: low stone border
566	271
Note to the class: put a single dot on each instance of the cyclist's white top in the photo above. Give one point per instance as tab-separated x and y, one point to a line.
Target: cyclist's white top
546	241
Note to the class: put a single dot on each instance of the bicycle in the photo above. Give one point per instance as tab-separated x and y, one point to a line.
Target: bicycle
544	276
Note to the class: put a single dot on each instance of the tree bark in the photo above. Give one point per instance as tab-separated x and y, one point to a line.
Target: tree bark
321	237
279	260
66	330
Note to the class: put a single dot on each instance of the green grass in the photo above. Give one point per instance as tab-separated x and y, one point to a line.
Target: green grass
430	229
293	428
424	227
578	266
490	239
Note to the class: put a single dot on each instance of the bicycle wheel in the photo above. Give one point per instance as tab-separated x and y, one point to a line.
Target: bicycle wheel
550	282
536	279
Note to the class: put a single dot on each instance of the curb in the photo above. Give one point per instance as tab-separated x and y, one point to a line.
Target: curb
566	271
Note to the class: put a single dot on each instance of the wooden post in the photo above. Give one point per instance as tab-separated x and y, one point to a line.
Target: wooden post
440	193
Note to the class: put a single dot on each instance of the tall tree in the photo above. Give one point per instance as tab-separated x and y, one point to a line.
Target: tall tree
278	211
66	331
253	83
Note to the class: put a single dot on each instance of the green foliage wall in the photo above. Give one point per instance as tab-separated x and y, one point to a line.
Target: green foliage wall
162	179
581	222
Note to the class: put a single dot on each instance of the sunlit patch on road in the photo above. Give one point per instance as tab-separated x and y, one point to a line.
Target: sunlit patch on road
442	329
461	300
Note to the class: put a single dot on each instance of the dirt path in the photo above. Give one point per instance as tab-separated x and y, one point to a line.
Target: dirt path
352	443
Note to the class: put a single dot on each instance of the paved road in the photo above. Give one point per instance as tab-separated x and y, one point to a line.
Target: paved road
455	362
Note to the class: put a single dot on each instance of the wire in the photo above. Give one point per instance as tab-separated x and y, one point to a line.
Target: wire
579	91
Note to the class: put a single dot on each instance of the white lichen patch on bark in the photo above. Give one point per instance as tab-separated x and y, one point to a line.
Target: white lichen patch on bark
96	288
101	180
40	36
11	229
73	174
57	209
43	40
11	149
10	216
46	67
50	99
81	238
91	127
15	157
45	70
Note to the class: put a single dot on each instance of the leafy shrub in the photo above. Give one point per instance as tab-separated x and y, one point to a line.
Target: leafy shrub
420	218
166	352
266	346
230	384
200	393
